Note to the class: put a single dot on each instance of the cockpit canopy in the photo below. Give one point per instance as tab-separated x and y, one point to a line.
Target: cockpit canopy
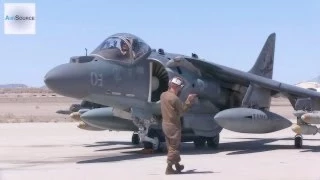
122	47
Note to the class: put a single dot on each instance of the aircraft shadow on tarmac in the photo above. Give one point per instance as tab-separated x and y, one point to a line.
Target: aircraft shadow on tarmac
261	145
256	145
193	171
250	145
108	143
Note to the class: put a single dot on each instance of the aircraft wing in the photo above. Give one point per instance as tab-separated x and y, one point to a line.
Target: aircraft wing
231	75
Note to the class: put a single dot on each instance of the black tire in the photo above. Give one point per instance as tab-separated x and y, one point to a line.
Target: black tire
199	142
213	142
298	141
135	140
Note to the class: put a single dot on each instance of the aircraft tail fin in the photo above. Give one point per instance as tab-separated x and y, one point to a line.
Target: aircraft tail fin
264	64
256	96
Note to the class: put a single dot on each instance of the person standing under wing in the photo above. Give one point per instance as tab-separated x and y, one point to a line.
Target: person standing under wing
172	109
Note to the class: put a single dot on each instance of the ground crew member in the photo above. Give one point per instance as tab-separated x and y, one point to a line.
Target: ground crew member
171	110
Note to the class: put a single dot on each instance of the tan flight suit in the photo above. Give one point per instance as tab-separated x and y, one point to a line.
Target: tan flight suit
172	109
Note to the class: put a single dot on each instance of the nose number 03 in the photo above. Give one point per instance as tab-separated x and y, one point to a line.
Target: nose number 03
96	79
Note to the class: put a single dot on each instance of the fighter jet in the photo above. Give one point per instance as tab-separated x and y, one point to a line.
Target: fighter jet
126	77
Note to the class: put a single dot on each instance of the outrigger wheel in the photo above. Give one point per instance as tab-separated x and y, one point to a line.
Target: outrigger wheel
298	141
135	140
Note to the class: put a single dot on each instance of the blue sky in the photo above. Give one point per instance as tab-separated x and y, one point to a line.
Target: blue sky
230	33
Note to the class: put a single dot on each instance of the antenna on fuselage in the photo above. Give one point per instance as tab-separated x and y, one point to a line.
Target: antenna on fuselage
86	50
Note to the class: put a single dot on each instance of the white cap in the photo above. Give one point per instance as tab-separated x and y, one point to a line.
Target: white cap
177	81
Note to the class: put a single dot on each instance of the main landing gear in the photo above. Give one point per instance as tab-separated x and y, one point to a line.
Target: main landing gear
152	140
212	142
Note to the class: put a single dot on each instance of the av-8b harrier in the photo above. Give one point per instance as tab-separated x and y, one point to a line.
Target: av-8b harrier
125	77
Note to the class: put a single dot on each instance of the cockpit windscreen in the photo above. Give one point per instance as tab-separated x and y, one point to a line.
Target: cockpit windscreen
122	47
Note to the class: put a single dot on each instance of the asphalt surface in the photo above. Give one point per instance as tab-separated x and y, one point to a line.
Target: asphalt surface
62	151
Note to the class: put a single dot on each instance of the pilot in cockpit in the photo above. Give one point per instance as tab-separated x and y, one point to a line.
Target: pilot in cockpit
124	49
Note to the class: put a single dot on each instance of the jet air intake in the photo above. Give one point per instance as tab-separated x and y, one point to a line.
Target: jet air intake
159	80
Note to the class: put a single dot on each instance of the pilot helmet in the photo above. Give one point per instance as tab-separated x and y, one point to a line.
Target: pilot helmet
125	41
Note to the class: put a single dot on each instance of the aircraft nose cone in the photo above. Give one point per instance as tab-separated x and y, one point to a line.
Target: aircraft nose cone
69	80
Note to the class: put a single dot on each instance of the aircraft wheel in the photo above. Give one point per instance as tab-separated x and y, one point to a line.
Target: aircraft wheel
213	142
135	139
199	142
298	141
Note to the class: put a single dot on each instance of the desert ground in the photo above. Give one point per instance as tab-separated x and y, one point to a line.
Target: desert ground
17	107
63	151
38	143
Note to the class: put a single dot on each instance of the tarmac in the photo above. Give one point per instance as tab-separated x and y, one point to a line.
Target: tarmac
62	151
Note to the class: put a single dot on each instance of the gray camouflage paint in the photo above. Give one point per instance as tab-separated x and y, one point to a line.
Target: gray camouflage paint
125	85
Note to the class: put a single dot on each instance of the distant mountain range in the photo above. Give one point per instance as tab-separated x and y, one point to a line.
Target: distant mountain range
19	86
12	86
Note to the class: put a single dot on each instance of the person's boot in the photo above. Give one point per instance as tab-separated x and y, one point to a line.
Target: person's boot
179	167
170	170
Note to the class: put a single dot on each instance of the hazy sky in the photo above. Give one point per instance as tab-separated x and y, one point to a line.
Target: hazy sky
230	33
